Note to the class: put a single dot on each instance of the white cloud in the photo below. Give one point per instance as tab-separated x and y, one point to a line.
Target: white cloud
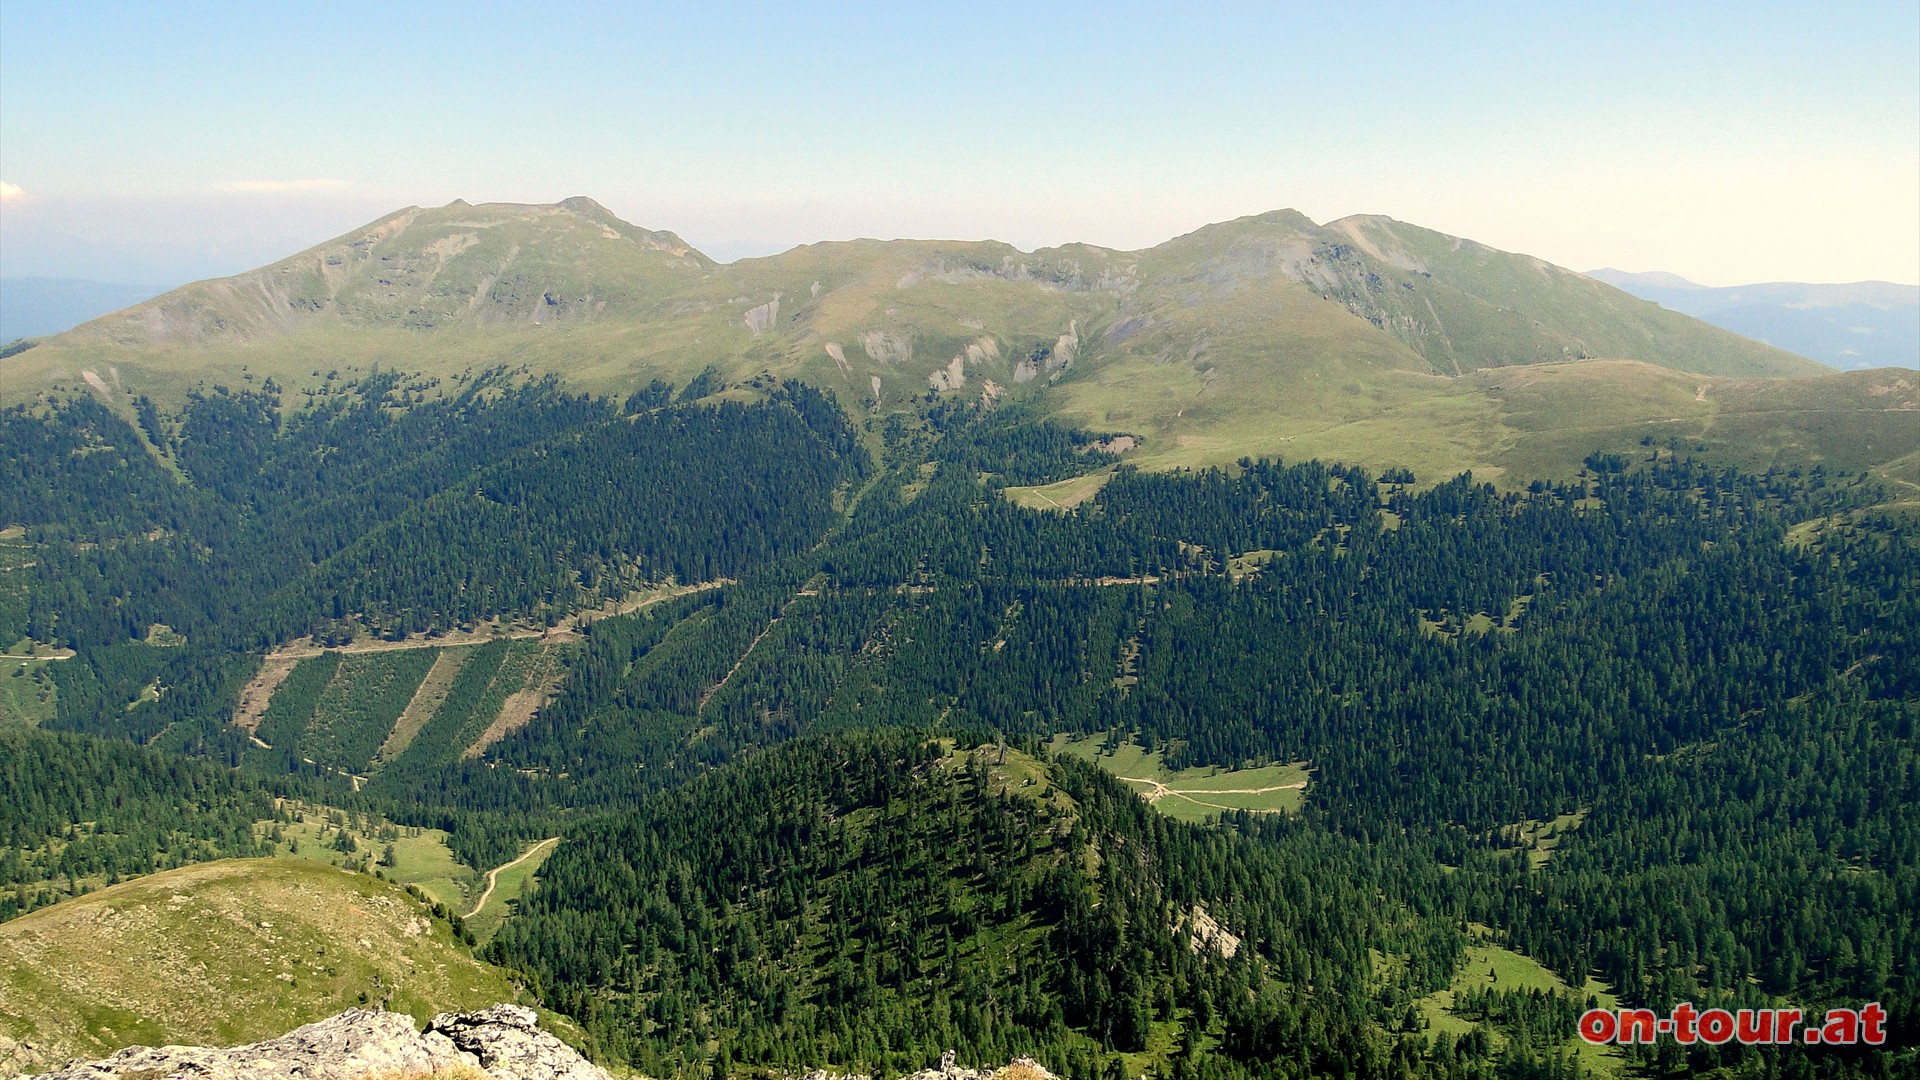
277	187
10	192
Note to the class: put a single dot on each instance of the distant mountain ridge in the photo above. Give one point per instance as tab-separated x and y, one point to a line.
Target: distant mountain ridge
1364	340
1456	304
1863	324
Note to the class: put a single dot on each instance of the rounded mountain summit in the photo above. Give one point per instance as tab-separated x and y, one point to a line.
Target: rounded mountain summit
1364	339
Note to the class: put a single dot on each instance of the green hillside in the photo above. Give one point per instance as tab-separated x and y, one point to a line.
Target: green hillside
1368	339
81	813
224	953
868	900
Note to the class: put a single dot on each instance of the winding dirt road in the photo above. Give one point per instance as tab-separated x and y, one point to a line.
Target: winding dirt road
1161	791
493	875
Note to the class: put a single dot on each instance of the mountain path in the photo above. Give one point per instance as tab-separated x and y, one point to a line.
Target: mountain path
493	875
1161	791
811	588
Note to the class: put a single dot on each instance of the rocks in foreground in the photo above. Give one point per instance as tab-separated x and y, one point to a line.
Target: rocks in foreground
502	1043
1021	1068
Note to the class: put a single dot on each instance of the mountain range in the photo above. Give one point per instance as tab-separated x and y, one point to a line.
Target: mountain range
1364	339
1865	324
895	652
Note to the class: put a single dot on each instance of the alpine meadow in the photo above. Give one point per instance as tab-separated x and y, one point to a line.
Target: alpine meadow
1291	650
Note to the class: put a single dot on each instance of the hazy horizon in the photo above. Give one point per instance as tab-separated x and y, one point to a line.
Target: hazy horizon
1729	144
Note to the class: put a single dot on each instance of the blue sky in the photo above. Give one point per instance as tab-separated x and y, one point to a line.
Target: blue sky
1730	143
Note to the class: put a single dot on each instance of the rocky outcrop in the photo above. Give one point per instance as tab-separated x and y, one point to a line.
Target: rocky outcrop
507	1042
1020	1068
504	1042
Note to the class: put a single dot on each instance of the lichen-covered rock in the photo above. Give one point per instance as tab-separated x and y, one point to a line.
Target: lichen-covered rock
504	1042
508	1042
1020	1068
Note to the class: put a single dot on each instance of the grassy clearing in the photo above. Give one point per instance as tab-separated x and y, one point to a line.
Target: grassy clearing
511	883
224	953
1064	495
1490	966
162	636
27	692
421	856
1538	838
1198	794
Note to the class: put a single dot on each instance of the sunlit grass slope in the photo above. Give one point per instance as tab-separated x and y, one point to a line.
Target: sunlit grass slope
1365	339
224	953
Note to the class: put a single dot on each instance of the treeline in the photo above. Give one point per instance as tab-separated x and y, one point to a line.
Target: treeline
867	900
77	813
504	499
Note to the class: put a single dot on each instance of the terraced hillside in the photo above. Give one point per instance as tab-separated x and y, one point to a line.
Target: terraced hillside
357	711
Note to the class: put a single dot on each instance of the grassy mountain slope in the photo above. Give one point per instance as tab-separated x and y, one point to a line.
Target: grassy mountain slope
1490	308
224	953
1366	338
427	269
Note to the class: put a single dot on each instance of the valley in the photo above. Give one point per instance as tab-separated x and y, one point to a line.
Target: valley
1291	650
1194	794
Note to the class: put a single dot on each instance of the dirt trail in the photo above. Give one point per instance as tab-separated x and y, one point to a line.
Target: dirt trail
520	705
258	692
424	703
493	875
304	648
1162	791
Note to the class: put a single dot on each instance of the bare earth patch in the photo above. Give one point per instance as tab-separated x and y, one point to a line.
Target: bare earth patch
426	701
258	692
522	704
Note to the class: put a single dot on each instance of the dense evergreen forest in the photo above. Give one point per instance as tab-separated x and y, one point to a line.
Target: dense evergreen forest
75	807
808	816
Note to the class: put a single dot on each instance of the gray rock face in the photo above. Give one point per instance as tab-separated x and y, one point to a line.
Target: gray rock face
504	1042
508	1043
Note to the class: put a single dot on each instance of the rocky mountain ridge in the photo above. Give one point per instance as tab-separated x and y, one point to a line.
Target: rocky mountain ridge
504	1042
